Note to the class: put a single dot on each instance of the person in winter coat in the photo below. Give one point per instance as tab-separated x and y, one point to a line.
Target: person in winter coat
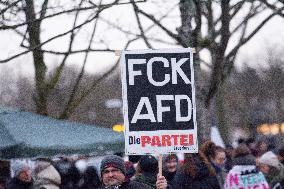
195	173
273	170
148	170
217	156
113	175
70	175
170	167
46	176
130	170
22	176
244	173
91	179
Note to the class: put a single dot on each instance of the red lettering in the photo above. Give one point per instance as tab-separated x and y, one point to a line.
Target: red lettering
184	140
256	187
145	140
156	141
166	140
175	139
190	142
234	179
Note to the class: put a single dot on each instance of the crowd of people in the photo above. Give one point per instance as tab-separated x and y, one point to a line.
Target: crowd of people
248	166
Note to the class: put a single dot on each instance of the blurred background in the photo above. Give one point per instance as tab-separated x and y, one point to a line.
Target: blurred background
58	59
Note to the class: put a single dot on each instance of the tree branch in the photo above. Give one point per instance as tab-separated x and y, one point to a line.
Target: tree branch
58	71
43	9
78	51
135	8
272	7
9	6
49	40
95	83
66	111
7	27
246	39
171	34
252	13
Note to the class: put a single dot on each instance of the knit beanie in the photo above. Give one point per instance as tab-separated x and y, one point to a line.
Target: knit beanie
113	161
149	164
18	167
269	158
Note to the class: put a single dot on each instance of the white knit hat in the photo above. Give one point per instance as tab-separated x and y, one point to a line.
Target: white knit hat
18	166
269	158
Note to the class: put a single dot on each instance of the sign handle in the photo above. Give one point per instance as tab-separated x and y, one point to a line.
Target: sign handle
117	52
160	164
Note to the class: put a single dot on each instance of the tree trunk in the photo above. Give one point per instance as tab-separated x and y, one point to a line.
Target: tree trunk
188	10
220	113
33	29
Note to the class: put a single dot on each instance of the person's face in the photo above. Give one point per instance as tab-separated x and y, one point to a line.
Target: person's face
25	175
263	146
112	176
281	158
252	145
219	159
171	165
264	168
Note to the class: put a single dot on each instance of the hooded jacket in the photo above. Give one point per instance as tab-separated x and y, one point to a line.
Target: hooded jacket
47	178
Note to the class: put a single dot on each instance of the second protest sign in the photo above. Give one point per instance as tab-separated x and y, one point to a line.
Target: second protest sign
159	101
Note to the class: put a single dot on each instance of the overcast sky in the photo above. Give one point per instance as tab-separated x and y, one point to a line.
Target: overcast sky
271	35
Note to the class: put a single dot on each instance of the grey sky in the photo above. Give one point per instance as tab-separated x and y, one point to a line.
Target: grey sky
271	35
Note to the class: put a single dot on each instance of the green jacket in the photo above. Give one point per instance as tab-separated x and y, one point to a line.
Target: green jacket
274	178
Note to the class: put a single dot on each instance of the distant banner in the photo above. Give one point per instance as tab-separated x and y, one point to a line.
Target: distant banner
159	101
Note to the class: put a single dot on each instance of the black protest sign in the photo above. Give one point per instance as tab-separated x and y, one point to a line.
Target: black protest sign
158	90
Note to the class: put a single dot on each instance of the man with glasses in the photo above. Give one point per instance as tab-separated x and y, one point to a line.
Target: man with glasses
113	175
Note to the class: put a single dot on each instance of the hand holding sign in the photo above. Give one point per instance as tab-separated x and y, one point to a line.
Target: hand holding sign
159	101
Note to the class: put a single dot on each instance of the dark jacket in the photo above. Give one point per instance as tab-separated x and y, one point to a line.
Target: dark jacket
131	185
91	179
220	174
15	183
244	160
169	176
202	180
148	179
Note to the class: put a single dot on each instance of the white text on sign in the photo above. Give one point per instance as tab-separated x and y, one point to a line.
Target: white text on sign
175	70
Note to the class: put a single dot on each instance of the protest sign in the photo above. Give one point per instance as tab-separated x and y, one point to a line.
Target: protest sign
159	101
245	177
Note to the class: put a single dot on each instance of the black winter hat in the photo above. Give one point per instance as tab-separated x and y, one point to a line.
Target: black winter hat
113	161
149	164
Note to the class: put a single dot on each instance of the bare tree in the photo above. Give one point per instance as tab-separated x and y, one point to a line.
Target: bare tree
221	20
26	18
